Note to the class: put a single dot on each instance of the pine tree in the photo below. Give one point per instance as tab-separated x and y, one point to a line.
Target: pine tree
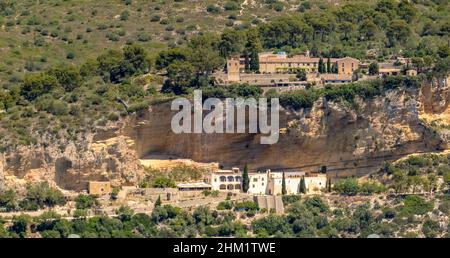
329	65
302	185
245	179
321	66
158	201
283	186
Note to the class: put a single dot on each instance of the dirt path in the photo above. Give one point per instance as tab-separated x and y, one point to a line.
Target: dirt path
245	3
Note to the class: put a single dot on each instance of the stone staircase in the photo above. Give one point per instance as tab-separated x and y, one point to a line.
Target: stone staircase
270	202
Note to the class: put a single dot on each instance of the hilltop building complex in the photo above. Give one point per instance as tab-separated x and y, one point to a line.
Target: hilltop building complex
280	70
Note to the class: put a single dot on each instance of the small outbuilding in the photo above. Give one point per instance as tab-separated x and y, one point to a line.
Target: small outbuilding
99	187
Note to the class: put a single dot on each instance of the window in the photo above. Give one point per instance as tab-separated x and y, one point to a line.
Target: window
230	178
253	186
230	187
223	187
223	179
255	179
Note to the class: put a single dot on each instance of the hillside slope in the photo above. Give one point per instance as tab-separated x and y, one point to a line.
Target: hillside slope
332	134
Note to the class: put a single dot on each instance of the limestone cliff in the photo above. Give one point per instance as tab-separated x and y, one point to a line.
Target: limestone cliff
345	138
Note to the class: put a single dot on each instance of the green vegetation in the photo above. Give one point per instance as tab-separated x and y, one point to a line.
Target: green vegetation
302	186
245	179
78	67
283	185
418	173
37	196
348	92
350	187
414	204
311	216
162	179
44	95
84	202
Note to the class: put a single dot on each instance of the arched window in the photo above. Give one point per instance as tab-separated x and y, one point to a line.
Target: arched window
223	187
238	179
230	187
237	186
230	178
223	179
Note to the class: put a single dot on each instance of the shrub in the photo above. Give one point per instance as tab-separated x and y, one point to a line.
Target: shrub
288	199
68	77
124	15
347	186
246	206
35	85
431	228
58	108
143	37
389	213
212	9
42	195
211	231
84	202
70	55
270	225
155	18
225	205
316	202
162	182
414	204
278	6
368	188
8	200
138	107
231	6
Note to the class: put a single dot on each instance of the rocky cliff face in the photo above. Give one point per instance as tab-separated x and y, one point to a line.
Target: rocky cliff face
346	139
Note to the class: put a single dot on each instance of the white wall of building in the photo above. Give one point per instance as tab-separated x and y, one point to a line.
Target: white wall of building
226	180
258	183
266	183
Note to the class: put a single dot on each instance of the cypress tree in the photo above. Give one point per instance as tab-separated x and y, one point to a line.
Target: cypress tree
329	185
283	185
158	201
246	62
254	60
302	185
321	66
329	65
245	179
334	68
